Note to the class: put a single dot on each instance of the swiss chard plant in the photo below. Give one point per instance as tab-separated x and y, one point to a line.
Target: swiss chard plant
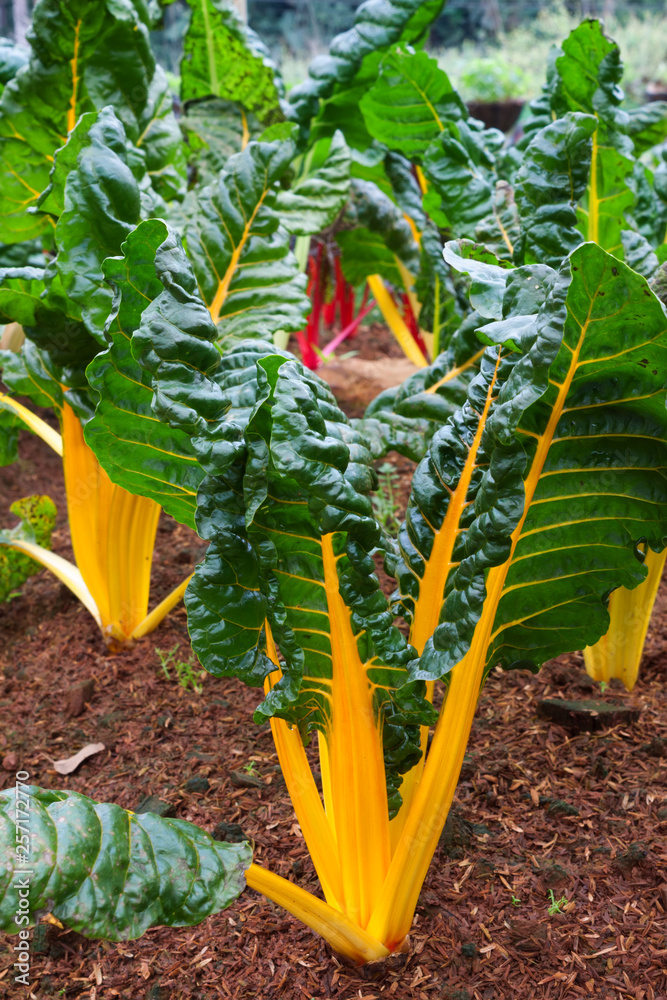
89	173
586	168
108	167
525	513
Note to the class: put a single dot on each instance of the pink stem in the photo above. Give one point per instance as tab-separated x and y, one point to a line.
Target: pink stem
347	332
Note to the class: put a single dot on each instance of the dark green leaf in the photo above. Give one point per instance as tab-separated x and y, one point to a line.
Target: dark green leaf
378	24
380	235
137	451
561	519
109	873
85	54
241	255
409	103
550	183
223	58
316	199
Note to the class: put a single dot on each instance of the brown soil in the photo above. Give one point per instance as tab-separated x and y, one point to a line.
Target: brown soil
537	808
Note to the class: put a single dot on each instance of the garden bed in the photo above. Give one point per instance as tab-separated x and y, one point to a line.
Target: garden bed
538	808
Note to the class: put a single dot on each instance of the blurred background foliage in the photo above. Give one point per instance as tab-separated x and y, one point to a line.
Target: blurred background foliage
491	49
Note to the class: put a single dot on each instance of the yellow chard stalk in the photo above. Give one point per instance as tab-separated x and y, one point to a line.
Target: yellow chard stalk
113	536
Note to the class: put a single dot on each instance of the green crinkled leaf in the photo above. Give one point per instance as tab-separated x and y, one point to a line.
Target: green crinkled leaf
224	58
99	206
176	325
410	101
284	468
459	166
30	373
577	442
378	24
450	456
141	454
297	480
161	140
589	71
638	253
37	516
20	290
501	230
380	235
647	125
404	187
241	255
440	311
587	75
316	198
550	183
12	58
85	54
488	275
213	130
109	873
648	214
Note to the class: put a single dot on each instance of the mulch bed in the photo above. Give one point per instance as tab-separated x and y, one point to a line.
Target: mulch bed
539	808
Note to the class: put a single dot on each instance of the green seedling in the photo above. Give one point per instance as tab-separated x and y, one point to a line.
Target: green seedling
556	904
186	671
516	901
251	768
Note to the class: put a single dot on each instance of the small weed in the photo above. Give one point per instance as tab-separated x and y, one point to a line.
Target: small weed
385	504
603	686
556	904
251	769
186	671
516	901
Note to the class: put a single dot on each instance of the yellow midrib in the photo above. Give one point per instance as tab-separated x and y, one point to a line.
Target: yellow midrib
74	63
223	287
356	762
593	200
503	232
429	603
453	372
432	585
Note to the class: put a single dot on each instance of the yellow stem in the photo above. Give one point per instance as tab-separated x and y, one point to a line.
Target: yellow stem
325	771
395	321
619	652
113	535
35	423
432	589
593	200
66	572
153	619
342	934
74	63
356	760
305	798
